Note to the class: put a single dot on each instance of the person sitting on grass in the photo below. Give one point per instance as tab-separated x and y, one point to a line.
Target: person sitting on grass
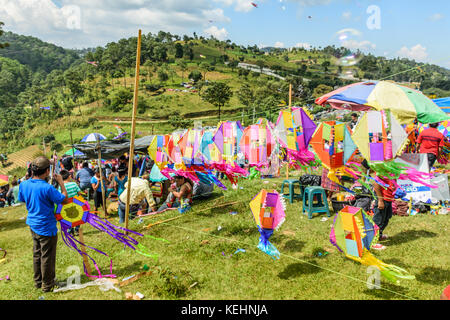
180	195
2	197
72	191
40	198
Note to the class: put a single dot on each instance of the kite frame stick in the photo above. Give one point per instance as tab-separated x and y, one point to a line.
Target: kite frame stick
83	249
133	128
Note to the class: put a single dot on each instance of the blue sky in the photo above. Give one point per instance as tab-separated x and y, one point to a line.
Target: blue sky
414	29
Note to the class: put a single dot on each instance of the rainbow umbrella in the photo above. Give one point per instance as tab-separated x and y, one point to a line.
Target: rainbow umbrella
405	103
4	180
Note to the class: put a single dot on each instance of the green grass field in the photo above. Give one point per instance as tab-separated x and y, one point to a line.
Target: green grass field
198	261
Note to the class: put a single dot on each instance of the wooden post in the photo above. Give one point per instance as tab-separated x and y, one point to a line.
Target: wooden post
133	128
83	249
290	109
99	160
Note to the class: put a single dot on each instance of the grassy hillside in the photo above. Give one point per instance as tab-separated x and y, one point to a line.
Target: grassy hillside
199	261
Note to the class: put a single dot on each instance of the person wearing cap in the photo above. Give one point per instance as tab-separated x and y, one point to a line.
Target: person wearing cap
140	190
40	198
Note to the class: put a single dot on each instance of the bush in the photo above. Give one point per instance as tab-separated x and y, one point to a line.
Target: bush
195	75
48	138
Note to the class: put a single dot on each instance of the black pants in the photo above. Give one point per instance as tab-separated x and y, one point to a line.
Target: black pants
381	217
431	159
98	199
44	260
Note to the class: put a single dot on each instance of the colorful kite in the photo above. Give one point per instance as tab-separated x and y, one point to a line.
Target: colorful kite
254	4
257	144
157	150
379	137
76	213
227	139
294	130
268	209
353	233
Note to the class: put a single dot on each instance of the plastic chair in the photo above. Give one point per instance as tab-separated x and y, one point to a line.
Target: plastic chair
308	201
292	195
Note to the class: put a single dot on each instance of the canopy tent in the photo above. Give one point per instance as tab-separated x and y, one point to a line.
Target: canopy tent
405	103
77	154
443	103
114	149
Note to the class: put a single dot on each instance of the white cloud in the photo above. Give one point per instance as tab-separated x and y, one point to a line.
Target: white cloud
220	34
347	15
239	5
355	45
279	44
103	21
418	52
436	17
306	46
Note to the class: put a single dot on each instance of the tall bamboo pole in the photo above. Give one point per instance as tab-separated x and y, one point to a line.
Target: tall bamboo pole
133	127
290	109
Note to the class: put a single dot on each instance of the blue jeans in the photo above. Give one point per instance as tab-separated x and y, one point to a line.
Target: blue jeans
122	210
164	206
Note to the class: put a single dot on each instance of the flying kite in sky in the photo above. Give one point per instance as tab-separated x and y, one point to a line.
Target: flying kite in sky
353	233
76	213
268	209
254	4
94	63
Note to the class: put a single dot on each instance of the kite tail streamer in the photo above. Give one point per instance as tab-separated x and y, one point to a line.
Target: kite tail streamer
71	242
113	231
389	271
305	157
265	245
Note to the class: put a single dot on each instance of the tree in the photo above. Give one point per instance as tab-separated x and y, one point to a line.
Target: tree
195	75
218	94
183	68
246	95
233	64
205	67
261	64
178	51
162	75
320	90
2	45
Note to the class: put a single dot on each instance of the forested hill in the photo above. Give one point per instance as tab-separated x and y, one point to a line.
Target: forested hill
41	82
37	54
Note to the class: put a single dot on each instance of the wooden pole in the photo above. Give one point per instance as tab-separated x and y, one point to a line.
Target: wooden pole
83	249
99	160
290	109
133	128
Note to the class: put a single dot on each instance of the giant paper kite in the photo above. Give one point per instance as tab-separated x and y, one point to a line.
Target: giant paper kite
257	144
294	130
268	210
353	233
76	213
379	137
157	150
227	139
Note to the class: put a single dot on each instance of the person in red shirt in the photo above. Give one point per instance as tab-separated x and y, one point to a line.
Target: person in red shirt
431	142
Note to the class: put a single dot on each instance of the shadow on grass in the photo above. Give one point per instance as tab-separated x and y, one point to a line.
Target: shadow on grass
410	235
436	276
294	245
297	269
388	291
13	224
236	230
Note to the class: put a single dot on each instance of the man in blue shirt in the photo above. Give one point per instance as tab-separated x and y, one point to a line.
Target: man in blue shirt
40	198
84	177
